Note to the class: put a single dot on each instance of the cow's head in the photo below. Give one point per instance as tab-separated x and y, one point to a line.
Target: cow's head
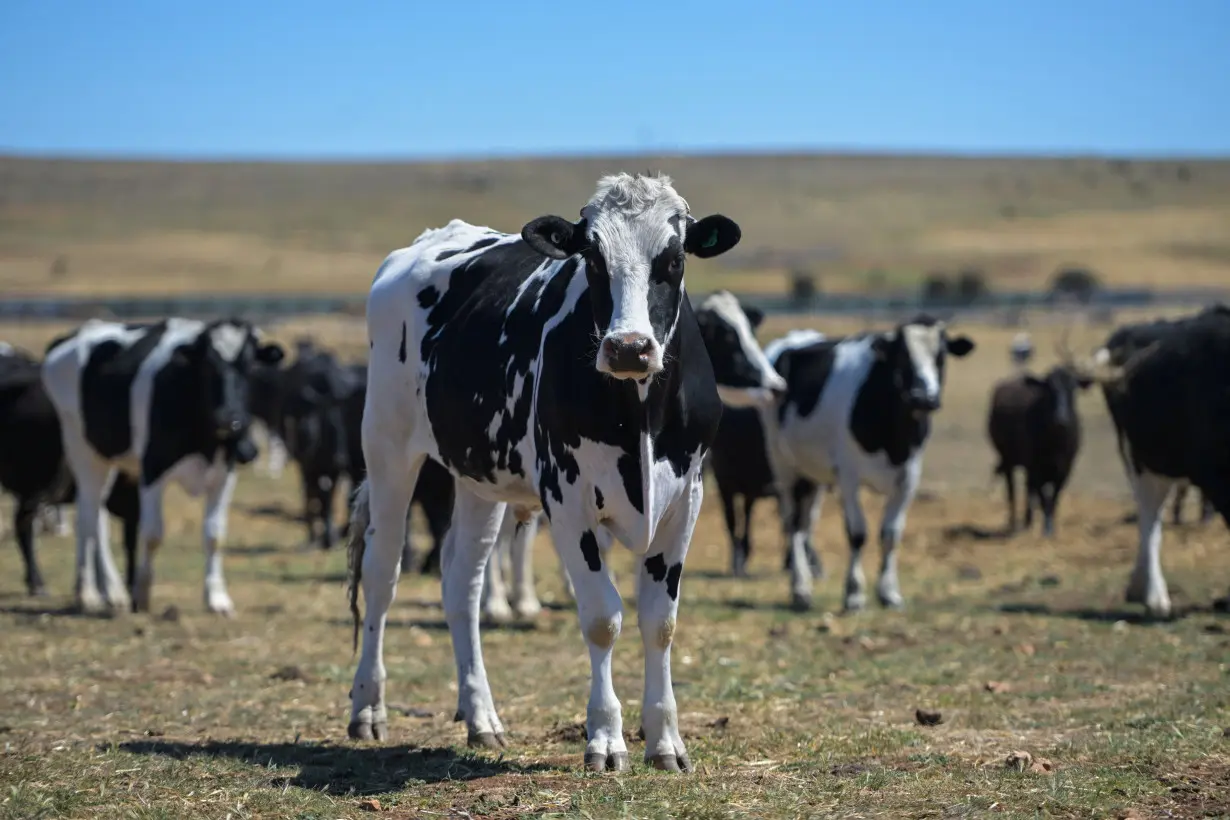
1060	386
318	386
223	357
633	235
915	353
743	374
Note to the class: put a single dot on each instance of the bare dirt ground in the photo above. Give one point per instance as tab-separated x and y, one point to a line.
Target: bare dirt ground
1021	644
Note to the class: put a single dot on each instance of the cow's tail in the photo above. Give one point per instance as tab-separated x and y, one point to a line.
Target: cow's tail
360	517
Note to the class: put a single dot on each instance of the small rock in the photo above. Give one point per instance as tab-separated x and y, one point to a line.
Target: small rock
720	724
778	631
1226	732
997	687
1025	762
849	769
154	733
969	572
289	673
170	614
1049	581
370	804
928	718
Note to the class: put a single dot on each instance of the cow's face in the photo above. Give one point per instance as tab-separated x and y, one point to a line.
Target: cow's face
743	374
633	235
319	386
226	353
1062	382
915	354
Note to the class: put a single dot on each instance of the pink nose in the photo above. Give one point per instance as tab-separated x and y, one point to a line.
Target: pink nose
627	352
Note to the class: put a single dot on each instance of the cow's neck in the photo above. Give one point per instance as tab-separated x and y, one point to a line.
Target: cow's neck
881	406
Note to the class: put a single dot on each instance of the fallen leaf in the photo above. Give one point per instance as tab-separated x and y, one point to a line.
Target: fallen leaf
997	687
370	804
928	718
1026	649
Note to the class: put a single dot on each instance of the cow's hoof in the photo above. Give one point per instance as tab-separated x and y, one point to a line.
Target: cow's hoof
854	603
892	600
359	730
599	762
670	763
800	602
486	740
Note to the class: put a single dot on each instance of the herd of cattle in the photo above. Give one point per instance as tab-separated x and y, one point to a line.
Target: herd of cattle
563	375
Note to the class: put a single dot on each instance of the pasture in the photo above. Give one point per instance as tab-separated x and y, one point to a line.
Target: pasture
1021	644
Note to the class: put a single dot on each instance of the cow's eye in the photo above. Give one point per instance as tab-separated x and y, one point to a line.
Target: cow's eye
676	266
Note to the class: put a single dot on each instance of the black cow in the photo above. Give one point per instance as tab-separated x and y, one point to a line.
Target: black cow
857	412
561	369
1167	387
160	402
32	465
1034	425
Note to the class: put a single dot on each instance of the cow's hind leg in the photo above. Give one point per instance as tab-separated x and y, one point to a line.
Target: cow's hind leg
467	548
495	588
738	558
581	548
1148	585
99	586
378	532
524	596
795	511
856	534
25	512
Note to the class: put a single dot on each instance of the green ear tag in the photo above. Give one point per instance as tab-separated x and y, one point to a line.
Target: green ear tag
711	241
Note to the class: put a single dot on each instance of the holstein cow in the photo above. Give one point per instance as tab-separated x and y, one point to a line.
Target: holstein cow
740	463
159	402
1169	399
564	369
32	465
857	412
1033	425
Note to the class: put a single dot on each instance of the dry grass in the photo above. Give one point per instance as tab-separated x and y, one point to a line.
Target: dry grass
786	715
859	223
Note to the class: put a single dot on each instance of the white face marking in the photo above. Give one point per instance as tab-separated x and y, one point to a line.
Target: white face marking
923	343
726	306
228	340
633	219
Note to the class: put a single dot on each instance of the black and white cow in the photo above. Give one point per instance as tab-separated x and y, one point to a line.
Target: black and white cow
1167	387
564	369
159	402
857	413
741	469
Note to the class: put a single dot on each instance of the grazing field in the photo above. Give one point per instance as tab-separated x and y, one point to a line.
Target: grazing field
1020	644
856	223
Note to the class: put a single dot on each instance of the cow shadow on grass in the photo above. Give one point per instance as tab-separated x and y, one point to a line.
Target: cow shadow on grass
1134	616
441	625
277	512
343	769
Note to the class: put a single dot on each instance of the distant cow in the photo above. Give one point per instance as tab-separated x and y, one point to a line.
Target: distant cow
1167	386
560	369
1034	426
159	402
32	465
740	463
857	412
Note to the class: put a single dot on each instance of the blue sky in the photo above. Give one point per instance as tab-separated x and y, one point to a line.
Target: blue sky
444	78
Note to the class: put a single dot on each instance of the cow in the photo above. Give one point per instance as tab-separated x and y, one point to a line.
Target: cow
560	369
159	402
857	412
1033	425
739	460
32	465
1167	388
1021	351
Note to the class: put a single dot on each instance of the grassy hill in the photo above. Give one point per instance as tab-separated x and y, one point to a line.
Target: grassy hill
857	223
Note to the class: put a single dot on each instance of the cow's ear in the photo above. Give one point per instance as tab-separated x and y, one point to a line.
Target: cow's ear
754	316
881	345
271	353
960	346
555	237
712	236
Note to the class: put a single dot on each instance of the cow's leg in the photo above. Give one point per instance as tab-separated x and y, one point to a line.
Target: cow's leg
1176	509
495	590
811	497
150	532
896	507
582	548
856	534
217	508
132	540
311	503
24	514
380	515
745	536
657	608
795	506
1049	493
327	490
524	597
1147	585
1010	493
738	559
468	547
276	461
94	478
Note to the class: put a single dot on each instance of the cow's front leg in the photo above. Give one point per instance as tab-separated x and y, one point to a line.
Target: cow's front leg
895	508
217	505
150	531
467	548
657	607
856	533
581	546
